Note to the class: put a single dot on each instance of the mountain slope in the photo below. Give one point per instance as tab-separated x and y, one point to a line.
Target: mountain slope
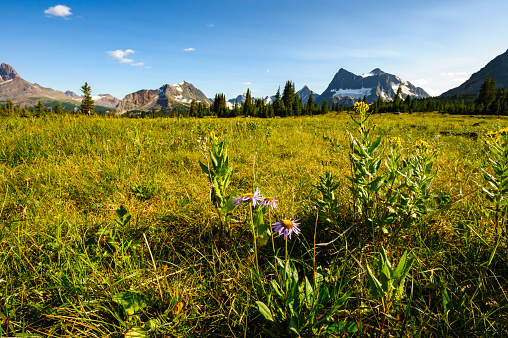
14	88
304	94
347	87
497	68
166	97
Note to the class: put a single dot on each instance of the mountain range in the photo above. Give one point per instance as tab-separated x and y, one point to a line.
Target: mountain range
345	88
13	87
166	97
497	68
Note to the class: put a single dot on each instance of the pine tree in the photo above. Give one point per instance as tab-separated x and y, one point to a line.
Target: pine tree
398	97
324	107
39	109
278	104
247	107
87	104
487	93
58	109
309	106
193	109
288	97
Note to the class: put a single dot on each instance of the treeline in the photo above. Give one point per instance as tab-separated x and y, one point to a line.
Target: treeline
489	101
286	104
8	108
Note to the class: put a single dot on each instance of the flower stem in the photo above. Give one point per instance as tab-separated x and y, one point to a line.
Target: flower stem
254	236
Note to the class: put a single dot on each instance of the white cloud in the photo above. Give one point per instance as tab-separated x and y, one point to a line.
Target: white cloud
246	83
58	10
268	70
120	55
189	49
419	82
461	79
210	25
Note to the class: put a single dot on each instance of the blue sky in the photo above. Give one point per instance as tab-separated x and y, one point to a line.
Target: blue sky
119	47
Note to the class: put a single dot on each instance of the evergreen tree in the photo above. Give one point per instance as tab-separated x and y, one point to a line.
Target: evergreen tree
248	107
57	109
398	98
324	107
278	104
297	106
39	109
309	106
487	93
193	109
288	97
87	104
9	106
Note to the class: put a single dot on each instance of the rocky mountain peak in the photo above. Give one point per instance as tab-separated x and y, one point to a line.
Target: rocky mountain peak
7	73
72	95
347	87
496	68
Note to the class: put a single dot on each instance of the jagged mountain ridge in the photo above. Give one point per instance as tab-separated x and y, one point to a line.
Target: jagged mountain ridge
496	68
303	93
13	87
347	87
18	90
166	97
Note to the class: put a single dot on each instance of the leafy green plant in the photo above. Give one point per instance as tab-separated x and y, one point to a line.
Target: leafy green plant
389	285
304	308
496	189
328	203
398	197
143	192
219	173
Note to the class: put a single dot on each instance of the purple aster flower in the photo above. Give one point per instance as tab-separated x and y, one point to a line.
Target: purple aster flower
269	201
286	226
254	199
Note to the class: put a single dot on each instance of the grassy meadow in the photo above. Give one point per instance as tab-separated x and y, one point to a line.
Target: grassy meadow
107	229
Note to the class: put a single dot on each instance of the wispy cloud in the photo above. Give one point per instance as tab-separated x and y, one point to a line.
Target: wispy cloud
58	10
246	83
210	25
120	55
189	49
460	79
420	82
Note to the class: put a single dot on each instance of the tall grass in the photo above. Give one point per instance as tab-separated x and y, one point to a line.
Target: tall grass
72	262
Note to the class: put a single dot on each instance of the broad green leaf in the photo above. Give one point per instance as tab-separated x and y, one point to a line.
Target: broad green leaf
374	145
376	287
293	325
137	332
447	301
309	293
265	311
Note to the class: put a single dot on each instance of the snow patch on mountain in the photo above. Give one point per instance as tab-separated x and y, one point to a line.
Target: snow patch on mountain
354	93
405	90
